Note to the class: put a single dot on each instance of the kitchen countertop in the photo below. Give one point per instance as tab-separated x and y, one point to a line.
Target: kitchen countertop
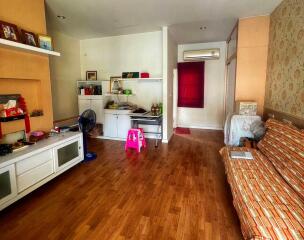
118	111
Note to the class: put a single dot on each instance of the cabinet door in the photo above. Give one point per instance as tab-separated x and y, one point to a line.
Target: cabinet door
68	153
110	125
83	104
123	126
8	187
97	107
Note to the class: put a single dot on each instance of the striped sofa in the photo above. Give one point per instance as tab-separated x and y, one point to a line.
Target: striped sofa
268	191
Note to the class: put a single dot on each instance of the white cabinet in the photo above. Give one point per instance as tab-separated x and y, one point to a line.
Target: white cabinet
35	175
8	187
33	169
116	124
98	107
83	104
123	125
23	171
68	153
94	102
110	125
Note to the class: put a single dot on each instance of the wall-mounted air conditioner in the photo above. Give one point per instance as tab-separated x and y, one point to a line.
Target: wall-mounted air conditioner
204	54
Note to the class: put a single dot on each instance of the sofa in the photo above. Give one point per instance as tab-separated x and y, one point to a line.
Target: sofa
268	191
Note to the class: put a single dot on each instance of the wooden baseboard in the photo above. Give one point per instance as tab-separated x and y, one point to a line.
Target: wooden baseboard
270	113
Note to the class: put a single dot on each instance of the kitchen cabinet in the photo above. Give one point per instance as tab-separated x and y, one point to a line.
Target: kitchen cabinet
117	123
110	125
94	102
123	125
8	187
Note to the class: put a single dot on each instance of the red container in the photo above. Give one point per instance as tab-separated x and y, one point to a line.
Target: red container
144	75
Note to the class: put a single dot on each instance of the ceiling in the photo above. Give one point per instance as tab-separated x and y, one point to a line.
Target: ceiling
101	18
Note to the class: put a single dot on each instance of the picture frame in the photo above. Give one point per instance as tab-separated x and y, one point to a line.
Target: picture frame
115	84
91	75
45	42
9	31
29	38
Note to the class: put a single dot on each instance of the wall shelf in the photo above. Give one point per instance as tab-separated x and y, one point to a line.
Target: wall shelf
123	95
24	47
140	79
92	81
13	118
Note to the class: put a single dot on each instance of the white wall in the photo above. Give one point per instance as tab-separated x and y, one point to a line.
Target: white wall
212	115
111	56
65	71
169	64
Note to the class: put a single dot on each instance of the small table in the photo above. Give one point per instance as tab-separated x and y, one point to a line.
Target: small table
148	119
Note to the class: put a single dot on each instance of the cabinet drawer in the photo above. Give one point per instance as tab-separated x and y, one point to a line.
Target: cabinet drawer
34	161
33	176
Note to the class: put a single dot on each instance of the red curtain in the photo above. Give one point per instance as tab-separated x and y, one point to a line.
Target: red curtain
191	77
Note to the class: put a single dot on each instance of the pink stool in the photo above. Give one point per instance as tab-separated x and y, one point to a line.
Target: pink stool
135	139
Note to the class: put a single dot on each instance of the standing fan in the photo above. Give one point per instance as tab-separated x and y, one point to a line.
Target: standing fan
87	122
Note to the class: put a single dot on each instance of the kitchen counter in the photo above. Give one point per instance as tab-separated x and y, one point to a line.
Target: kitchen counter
118	111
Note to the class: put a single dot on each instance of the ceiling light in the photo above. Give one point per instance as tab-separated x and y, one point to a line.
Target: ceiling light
61	17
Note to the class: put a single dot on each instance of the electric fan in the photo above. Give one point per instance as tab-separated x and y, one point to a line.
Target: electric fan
87	122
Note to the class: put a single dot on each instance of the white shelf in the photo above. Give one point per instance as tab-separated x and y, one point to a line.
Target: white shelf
140	79
91	81
119	95
21	46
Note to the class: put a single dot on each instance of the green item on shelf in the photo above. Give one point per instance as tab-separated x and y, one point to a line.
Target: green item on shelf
127	92
160	105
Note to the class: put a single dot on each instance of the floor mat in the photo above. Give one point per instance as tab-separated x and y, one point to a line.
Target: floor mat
180	130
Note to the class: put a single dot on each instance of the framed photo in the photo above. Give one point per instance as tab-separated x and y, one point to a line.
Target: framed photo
115	84
9	31
91	75
45	42
29	38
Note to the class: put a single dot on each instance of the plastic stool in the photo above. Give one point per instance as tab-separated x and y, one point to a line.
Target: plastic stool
135	139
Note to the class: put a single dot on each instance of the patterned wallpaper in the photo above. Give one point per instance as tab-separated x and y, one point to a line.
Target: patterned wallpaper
285	71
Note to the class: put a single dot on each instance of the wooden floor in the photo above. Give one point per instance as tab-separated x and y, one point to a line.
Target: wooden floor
178	191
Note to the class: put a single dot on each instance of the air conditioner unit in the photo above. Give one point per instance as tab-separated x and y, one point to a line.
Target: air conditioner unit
204	54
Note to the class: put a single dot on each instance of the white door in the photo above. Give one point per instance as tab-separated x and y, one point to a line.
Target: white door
110	125
123	125
8	187
97	107
83	104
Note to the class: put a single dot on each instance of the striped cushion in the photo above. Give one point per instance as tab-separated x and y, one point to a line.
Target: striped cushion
267	206
284	147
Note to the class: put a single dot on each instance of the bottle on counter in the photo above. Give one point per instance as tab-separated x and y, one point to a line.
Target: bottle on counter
157	110
153	109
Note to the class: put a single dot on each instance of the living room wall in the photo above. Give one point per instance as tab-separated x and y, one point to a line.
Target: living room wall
65	71
23	72
285	74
